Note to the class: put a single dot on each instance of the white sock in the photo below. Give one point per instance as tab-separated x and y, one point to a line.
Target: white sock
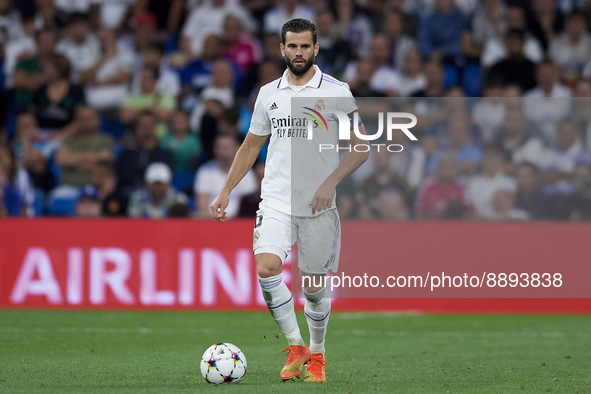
317	311
280	304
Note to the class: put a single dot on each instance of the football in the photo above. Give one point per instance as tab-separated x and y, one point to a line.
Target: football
223	363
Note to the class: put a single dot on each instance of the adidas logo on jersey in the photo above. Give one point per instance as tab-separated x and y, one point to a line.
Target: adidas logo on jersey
274	106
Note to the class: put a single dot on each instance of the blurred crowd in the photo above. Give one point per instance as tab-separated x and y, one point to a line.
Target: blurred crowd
137	107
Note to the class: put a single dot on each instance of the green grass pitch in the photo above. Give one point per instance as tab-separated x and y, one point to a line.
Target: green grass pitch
159	352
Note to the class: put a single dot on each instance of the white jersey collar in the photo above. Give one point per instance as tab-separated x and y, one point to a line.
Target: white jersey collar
315	82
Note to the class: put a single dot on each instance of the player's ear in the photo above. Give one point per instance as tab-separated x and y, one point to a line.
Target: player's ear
316	49
282	47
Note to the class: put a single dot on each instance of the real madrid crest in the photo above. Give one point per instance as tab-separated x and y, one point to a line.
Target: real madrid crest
256	235
319	105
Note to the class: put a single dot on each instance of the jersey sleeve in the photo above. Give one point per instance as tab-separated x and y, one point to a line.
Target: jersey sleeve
349	105
260	123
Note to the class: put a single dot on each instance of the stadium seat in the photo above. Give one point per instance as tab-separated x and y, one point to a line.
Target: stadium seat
62	201
183	181
112	126
192	203
39	203
451	76
472	79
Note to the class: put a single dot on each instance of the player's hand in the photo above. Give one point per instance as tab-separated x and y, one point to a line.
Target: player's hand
323	198
218	207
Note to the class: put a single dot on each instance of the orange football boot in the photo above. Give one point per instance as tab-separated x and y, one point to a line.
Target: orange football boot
315	368
297	356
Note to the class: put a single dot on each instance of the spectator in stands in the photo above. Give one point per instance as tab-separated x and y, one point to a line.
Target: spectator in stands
384	78
547	21
16	189
57	100
516	142
582	109
571	50
33	150
197	75
157	197
516	69
412	79
112	14
208	18
211	176
10	20
334	53
161	105
185	147
482	188
20	47
221	89
252	80
31	73
440	34
237	46
107	80
411	161
88	204
368	191
81	151
360	85
503	207
489	112
437	194
179	210
391	205
548	103
558	163
454	136
168	82
434	81
268	71
581	198
529	196
399	43
495	49
133	161
488	23
168	13
354	26
80	45
114	203
411	20
284	11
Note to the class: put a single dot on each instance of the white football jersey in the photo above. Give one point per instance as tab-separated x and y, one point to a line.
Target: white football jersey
290	182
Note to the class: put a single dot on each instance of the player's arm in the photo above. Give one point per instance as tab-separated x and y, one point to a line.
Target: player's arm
351	162
243	162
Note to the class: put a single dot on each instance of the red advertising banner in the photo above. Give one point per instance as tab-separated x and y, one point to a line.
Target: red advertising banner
205	265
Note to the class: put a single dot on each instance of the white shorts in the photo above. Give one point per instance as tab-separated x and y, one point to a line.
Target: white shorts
318	238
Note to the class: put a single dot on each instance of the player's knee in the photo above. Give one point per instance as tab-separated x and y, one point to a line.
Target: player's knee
312	284
268	265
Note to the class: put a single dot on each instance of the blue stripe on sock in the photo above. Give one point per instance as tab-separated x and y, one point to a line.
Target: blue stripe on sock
310	317
275	307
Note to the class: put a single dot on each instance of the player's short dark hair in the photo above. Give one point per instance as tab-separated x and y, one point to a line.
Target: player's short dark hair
299	25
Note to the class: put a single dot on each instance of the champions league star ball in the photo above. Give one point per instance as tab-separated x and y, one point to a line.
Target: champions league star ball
223	363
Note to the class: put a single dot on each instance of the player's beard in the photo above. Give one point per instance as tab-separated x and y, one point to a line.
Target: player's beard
298	70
